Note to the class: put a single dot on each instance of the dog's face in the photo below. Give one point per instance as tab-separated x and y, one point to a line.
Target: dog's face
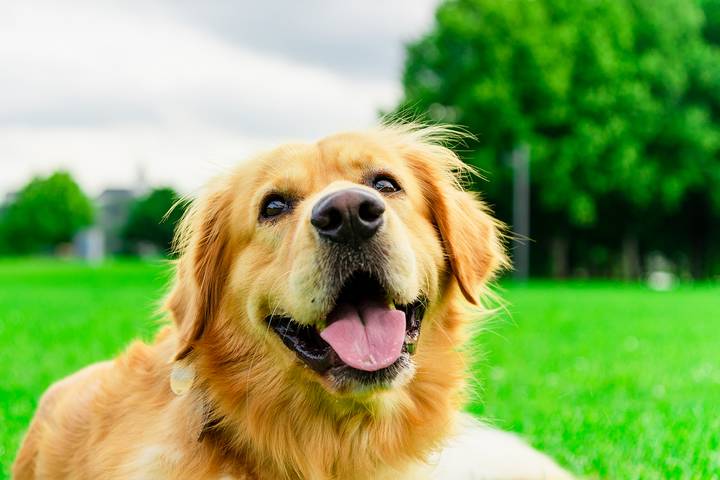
332	262
343	259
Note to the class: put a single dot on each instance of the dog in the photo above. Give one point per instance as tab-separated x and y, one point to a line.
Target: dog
322	296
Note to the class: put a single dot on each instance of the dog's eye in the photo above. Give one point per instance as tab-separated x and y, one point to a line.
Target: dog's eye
384	184
273	206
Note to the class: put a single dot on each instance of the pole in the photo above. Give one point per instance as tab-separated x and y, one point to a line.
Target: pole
521	211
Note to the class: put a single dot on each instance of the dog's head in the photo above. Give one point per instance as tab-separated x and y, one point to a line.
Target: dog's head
330	270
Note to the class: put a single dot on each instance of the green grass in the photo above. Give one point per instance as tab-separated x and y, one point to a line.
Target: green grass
58	317
613	380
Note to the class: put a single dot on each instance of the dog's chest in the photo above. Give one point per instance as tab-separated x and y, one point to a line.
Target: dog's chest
166	462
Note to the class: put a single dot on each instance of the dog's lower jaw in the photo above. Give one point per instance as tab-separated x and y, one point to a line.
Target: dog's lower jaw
350	445
286	426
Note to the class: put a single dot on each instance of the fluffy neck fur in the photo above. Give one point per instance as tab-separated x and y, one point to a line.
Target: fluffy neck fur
280	424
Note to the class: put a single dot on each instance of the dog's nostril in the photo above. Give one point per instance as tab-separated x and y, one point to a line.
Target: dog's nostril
371	210
334	219
326	219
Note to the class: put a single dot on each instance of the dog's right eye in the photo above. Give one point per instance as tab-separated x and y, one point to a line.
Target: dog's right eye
273	206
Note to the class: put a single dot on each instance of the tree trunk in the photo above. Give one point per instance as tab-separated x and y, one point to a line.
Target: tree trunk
630	258
559	253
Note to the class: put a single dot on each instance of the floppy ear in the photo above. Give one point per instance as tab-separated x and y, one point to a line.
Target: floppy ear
202	269
470	236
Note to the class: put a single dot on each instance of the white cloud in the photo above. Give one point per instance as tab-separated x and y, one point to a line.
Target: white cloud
364	38
100	87
111	157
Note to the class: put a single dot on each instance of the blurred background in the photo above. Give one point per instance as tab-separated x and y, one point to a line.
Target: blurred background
596	130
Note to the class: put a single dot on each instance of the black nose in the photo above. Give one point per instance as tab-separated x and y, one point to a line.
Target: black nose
348	216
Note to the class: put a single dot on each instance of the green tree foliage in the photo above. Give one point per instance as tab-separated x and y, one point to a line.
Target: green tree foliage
148	222
618	101
46	212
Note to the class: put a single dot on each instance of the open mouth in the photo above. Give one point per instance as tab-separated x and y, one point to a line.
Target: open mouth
366	337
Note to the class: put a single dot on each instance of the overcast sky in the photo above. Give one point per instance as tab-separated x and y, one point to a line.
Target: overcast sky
184	88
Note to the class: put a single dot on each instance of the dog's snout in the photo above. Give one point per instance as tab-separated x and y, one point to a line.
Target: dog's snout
352	215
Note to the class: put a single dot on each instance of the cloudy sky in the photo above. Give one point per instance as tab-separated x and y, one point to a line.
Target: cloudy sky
180	89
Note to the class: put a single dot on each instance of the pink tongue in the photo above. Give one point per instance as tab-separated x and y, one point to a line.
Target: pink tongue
368	336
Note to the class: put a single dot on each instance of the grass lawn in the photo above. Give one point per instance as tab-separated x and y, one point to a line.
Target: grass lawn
613	380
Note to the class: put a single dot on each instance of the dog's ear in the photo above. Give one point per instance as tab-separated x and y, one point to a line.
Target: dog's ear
471	237
203	268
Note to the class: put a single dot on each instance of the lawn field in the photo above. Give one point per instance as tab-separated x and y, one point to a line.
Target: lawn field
613	380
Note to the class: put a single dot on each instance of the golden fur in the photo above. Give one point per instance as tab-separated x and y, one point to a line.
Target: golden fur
254	411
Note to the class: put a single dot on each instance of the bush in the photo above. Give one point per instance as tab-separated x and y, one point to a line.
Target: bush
46	212
153	218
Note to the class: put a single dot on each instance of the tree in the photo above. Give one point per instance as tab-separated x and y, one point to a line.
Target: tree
147	221
46	212
611	97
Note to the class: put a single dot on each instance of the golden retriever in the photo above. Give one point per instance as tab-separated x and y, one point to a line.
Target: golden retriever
319	309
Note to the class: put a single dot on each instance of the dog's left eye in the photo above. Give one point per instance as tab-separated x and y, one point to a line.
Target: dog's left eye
384	184
273	206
